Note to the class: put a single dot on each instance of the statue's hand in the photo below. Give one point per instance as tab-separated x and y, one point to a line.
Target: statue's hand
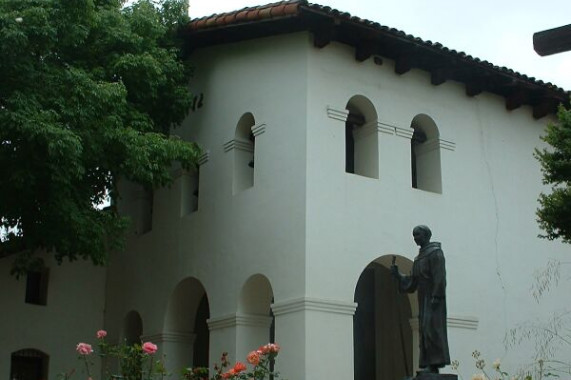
395	271
434	302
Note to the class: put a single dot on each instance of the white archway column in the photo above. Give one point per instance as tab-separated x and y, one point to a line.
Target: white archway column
238	334
176	348
310	330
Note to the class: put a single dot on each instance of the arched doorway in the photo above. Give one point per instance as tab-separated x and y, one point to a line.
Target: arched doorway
132	328
186	335
382	335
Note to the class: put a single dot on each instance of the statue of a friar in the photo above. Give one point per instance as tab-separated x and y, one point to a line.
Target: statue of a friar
428	277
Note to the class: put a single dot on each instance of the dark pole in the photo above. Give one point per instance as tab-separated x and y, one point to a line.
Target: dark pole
400	326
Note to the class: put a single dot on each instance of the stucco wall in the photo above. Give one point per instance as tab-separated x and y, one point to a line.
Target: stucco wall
73	313
485	216
231	236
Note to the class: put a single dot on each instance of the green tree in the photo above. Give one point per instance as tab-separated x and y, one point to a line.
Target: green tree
554	213
89	91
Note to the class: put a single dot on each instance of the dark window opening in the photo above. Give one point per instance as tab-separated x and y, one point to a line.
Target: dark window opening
418	138
353	122
201	342
37	287
253	141
29	365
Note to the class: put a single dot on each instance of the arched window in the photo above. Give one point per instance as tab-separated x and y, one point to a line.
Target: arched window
425	155
29	364
361	138
243	145
190	184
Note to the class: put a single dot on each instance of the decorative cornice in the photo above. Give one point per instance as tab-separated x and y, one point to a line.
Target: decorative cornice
404	132
448	145
170	336
314	304
238	319
204	157
258	129
461	322
246	146
336	114
386	128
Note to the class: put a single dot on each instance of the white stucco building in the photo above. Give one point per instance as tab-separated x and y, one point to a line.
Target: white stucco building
327	138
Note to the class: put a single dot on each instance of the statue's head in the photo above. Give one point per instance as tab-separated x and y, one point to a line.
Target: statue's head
421	235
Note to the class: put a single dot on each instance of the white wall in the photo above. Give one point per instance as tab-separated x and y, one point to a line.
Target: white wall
73	314
230	237
311	229
485	216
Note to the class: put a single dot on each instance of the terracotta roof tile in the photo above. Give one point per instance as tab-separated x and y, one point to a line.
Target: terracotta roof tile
265	13
278	10
248	14
241	16
290	8
230	18
295	7
253	14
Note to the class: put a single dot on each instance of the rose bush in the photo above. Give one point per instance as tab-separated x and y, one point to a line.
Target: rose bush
261	359
130	359
131	362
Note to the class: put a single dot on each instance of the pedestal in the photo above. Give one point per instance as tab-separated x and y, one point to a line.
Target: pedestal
435	376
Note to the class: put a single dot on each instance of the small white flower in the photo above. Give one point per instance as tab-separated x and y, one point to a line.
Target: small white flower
496	364
480	364
19	19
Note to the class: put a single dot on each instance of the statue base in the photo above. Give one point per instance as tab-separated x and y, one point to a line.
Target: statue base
435	376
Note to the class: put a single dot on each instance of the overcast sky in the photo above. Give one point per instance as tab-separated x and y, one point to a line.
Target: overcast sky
499	31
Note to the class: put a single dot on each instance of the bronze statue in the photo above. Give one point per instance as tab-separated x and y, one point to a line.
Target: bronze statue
429	278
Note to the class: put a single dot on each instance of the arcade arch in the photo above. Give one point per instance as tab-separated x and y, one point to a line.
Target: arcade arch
254	309
186	336
383	339
132	328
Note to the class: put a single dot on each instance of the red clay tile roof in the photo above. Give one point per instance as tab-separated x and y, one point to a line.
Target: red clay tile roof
371	38
248	14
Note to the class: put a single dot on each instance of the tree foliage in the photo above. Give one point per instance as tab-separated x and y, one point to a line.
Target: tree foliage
89	91
554	213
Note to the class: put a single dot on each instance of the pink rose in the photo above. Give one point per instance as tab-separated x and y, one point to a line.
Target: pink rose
84	349
101	334
274	348
149	348
270	348
253	358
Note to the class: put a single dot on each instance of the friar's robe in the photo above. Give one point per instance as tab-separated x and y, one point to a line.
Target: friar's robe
429	278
